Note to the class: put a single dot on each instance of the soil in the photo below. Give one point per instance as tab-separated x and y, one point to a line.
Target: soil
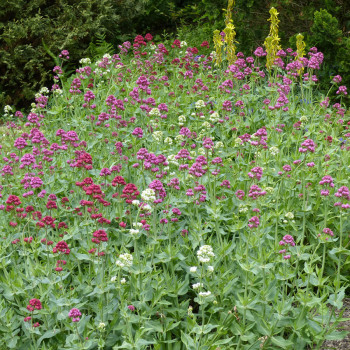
345	343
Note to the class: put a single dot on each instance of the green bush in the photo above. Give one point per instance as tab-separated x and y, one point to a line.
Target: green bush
329	39
25	65
83	27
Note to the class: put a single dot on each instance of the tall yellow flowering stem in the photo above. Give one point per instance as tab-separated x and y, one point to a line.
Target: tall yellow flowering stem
300	47
228	18
230	41
218	47
230	36
272	41
300	53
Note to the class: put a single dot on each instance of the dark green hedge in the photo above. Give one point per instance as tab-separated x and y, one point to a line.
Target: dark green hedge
25	64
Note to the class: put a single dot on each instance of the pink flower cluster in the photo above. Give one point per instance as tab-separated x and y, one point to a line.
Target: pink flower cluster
287	240
74	314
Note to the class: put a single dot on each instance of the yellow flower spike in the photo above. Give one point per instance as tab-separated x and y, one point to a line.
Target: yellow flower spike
274	22
300	46
230	41
218	47
300	49
228	18
272	41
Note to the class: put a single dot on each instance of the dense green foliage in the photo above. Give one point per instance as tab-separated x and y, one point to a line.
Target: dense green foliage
26	26
328	37
79	26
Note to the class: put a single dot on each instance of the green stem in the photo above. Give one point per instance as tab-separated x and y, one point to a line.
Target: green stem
79	336
340	248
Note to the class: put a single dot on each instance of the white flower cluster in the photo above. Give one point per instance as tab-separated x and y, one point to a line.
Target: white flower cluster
182	120
168	141
135	202
34	110
125	260
85	61
102	326
219	144
206	125
154	112
8	111
157	136
200	104
146	208
204	294
183	44
238	141
153	123
58	92
214	117
201	151
197	285
172	160
289	215
102	73
242	208
274	150
148	195
134	232
44	91
205	253
193	269
179	138
114	279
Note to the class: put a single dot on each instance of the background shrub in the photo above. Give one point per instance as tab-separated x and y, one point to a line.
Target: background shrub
25	65
76	25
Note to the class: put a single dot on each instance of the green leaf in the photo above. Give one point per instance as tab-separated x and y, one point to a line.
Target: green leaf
307	268
335	335
281	342
143	342
82	256
188	341
223	341
337	299
12	343
49	334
